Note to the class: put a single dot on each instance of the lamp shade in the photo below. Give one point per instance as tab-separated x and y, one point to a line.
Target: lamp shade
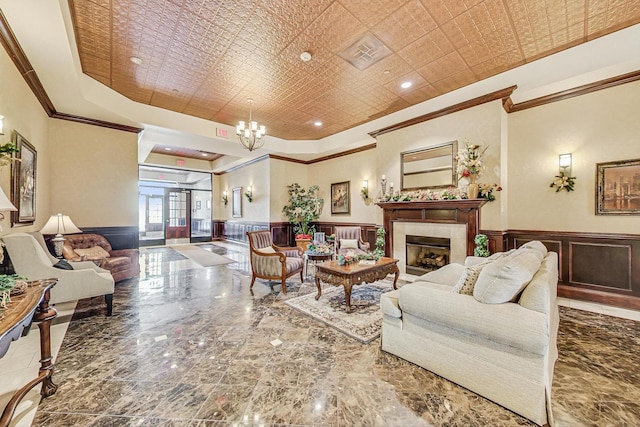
5	203
60	224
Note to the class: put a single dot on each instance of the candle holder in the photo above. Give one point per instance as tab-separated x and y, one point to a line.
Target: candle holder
383	185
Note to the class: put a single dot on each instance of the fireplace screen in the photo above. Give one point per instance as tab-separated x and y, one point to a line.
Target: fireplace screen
425	254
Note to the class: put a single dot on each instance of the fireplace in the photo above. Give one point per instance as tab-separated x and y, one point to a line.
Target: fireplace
425	254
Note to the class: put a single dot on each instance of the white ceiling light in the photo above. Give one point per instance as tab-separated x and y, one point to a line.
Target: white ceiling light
252	136
305	56
318	123
406	85
136	60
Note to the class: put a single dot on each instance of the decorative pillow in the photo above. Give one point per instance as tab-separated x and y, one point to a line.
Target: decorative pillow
348	244
502	280
267	250
93	253
63	265
468	279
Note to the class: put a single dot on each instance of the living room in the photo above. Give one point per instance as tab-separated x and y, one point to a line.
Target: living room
90	172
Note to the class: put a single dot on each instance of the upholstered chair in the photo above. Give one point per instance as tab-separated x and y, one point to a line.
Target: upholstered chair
272	262
349	241
32	261
122	264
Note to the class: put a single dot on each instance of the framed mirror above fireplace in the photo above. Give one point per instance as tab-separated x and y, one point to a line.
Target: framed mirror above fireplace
432	167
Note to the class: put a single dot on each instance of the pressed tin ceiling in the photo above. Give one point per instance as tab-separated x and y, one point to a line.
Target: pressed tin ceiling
205	58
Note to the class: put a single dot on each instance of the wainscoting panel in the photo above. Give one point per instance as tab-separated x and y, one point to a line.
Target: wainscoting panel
125	237
597	267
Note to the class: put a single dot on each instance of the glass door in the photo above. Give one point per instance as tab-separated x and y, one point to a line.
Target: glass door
151	216
200	216
178	215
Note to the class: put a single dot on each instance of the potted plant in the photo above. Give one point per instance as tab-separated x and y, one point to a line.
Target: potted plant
304	207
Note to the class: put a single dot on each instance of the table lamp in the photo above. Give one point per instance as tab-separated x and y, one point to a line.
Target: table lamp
59	224
5	204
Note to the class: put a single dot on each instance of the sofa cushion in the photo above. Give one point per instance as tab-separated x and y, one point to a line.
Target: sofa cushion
446	275
536	246
502	280
348	244
92	253
267	250
468	278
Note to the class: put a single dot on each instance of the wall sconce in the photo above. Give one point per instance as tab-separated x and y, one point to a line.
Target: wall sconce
364	192
564	180
1	125
225	198
249	193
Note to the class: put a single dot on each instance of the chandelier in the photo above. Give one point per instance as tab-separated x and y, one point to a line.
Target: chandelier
251	136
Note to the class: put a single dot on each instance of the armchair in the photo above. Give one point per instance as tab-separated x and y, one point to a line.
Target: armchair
272	262
122	264
349	240
31	260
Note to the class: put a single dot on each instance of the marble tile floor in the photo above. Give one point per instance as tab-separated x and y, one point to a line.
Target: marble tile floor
191	346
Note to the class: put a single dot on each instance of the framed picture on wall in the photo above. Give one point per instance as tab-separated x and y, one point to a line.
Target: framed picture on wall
618	188
23	188
236	202
340	198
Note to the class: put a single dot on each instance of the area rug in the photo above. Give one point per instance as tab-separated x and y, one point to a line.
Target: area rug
364	323
202	256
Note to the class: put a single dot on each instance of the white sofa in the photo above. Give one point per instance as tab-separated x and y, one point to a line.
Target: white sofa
499	341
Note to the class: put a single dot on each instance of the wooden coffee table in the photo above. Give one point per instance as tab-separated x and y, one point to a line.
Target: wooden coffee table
354	274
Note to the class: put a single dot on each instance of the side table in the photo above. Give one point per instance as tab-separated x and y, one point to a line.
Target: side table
315	258
33	304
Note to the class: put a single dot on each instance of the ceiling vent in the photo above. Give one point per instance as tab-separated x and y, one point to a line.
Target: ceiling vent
365	52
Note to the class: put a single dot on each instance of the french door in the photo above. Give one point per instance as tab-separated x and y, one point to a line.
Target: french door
177	213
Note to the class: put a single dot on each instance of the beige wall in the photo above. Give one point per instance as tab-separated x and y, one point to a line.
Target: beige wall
353	168
95	174
23	113
255	174
282	174
478	125
599	127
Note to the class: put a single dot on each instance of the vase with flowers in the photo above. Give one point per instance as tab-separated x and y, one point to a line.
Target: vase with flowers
304	207
470	166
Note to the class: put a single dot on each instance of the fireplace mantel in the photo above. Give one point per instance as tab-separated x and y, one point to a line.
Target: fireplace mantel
434	211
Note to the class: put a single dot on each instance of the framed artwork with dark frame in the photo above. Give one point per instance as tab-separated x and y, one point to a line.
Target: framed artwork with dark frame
618	188
236	202
340	198
23	188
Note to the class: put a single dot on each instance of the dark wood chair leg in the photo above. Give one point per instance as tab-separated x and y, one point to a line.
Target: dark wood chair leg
109	300
253	279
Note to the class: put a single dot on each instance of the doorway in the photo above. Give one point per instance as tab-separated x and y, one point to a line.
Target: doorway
174	206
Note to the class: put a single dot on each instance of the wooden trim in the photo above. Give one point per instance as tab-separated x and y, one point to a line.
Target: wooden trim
302	162
95	122
577	91
502	94
14	50
120	237
618	300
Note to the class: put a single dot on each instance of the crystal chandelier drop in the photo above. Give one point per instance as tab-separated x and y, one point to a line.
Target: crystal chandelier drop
251	136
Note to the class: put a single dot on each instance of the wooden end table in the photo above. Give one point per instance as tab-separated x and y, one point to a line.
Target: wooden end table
33	304
354	274
315	258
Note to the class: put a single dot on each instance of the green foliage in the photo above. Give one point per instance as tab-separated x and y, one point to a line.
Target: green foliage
304	207
379	250
481	241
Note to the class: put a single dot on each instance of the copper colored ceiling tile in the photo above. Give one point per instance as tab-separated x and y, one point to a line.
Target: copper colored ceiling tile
205	58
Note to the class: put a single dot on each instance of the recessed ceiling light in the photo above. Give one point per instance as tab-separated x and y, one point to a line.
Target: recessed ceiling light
385	72
318	123
168	148
406	85
136	60
305	56
204	154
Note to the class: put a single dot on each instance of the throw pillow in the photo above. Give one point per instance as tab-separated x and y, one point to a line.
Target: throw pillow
267	250
468	279
63	265
502	280
348	243
93	253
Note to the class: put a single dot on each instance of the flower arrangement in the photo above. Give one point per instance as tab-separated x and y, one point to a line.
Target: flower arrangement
424	195
351	258
319	248
469	160
486	191
10	284
563	182
6	151
303	236
304	207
